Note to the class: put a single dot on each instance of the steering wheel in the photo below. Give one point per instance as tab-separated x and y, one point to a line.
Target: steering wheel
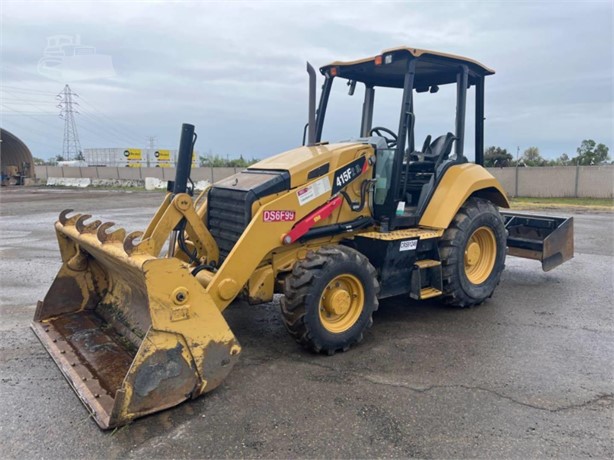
390	141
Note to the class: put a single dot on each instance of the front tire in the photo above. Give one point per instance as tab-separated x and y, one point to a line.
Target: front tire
472	252
329	299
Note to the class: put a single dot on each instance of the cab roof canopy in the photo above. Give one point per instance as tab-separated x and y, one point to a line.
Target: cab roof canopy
389	68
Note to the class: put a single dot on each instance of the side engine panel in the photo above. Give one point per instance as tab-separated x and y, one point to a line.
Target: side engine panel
230	203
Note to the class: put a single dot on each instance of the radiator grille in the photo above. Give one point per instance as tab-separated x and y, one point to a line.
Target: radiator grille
229	212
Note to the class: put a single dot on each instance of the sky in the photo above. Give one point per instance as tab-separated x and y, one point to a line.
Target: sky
236	70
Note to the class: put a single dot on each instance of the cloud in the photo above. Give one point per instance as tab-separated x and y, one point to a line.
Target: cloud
236	69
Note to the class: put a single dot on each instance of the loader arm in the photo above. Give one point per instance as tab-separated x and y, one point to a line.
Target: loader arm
168	216
258	239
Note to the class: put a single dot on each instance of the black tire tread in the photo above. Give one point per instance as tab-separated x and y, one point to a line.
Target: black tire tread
450	250
299	293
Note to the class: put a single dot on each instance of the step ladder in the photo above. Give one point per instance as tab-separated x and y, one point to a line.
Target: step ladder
426	279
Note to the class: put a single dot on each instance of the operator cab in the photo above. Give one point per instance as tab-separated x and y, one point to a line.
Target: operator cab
406	176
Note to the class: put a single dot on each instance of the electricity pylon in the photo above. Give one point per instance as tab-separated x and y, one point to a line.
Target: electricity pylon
71	147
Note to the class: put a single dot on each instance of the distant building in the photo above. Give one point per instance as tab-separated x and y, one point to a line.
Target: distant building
133	157
16	161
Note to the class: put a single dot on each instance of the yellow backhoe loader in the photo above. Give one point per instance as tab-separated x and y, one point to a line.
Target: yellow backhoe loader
134	321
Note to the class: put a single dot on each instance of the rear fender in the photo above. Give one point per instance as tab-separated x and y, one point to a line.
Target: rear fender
459	183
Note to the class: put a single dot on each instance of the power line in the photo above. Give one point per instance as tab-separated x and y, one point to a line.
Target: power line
28	130
13	111
118	126
16	98
28	90
94	129
99	121
25	114
100	134
132	139
106	129
26	99
30	112
99	127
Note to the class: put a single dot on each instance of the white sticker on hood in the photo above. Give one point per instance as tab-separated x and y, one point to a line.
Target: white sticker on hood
312	191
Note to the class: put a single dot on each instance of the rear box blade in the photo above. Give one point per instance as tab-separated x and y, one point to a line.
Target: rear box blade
544	238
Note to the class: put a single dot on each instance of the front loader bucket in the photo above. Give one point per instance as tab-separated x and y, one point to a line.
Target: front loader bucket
544	238
133	334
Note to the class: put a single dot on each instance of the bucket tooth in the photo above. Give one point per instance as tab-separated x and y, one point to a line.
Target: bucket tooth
82	227
65	220
129	245
114	237
79	223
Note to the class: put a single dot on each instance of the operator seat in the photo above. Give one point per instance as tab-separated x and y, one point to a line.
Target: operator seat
441	147
424	162
422	165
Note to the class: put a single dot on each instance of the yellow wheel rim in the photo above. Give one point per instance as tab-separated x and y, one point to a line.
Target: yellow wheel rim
341	303
480	255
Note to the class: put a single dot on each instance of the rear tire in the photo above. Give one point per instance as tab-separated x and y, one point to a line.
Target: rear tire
472	252
329	299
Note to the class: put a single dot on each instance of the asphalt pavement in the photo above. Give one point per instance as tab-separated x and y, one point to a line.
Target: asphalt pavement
527	374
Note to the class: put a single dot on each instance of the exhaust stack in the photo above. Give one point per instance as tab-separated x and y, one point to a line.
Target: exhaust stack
184	158
311	127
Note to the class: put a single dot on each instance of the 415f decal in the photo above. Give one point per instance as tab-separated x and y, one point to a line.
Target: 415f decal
345	175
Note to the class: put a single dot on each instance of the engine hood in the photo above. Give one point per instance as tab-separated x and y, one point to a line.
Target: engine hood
307	163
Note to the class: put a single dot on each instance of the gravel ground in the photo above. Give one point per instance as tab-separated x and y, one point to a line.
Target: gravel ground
527	374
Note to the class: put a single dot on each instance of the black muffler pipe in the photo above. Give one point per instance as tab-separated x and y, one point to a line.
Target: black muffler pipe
184	159
311	123
182	175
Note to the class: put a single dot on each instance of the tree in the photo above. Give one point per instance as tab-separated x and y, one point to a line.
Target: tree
39	161
241	162
591	153
59	158
216	161
532	157
212	161
563	159
497	157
